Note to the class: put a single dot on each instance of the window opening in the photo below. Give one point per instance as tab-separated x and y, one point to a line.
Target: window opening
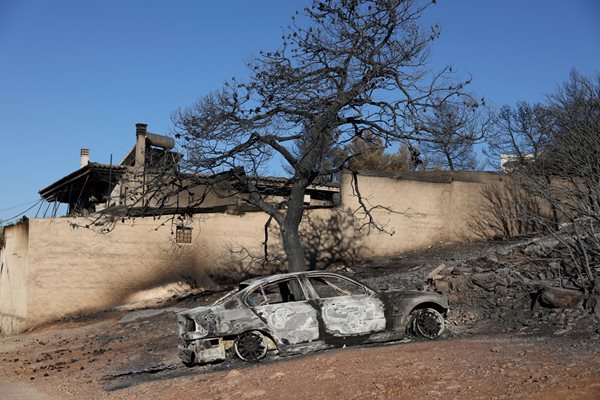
183	234
335	287
275	293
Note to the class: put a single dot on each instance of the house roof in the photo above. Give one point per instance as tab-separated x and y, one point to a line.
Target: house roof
68	188
273	180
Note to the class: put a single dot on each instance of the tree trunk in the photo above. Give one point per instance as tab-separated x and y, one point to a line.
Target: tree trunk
289	228
293	249
555	222
450	162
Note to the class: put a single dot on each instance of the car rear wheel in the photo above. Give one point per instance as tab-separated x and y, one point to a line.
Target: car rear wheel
427	323
251	346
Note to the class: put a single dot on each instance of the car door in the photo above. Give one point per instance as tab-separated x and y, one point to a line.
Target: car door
282	305
347	308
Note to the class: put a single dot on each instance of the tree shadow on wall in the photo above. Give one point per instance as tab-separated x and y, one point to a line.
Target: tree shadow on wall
332	241
328	241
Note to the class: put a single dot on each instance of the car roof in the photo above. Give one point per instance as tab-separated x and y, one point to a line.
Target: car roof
276	277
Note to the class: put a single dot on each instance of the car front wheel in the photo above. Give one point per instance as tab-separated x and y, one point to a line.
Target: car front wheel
251	346
427	323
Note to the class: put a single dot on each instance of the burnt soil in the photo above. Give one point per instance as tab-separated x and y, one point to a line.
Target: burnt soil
500	344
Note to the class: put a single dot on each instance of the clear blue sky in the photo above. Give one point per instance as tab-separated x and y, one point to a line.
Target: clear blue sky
79	74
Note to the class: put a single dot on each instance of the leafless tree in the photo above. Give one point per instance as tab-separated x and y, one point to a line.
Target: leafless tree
522	132
345	67
453	129
566	174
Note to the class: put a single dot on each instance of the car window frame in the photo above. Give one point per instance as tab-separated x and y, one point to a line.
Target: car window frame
306	295
314	294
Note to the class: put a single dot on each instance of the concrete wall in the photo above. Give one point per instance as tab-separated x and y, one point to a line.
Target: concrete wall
13	278
74	269
428	208
63	266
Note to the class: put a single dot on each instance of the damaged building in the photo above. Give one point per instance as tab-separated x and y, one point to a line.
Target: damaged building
147	182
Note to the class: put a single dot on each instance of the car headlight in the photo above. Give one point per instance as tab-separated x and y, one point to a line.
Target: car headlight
190	325
200	331
224	327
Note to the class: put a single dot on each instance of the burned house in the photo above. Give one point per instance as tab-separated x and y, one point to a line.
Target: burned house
148	183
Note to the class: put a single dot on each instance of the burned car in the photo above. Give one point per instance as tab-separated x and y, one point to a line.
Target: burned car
302	312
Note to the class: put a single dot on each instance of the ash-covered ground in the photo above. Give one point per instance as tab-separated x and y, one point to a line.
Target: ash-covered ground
517	328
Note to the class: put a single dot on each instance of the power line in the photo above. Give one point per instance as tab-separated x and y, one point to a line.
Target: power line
20	205
18	215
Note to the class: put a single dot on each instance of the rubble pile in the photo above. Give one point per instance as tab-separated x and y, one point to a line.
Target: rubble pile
528	285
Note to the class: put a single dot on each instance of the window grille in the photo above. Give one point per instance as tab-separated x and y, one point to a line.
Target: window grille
183	235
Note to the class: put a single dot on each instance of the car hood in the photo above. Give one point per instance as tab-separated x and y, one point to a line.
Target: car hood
197	311
409	297
219	320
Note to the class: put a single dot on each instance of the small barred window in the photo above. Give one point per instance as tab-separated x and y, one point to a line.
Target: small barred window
183	235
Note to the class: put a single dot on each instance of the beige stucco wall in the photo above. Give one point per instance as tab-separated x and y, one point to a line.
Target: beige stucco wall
427	208
13	278
65	266
75	269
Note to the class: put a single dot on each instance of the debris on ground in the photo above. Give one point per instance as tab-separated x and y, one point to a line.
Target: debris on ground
514	286
516	315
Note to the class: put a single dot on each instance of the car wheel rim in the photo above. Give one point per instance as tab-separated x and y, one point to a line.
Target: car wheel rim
250	346
429	324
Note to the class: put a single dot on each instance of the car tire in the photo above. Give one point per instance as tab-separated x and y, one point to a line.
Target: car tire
251	346
426	323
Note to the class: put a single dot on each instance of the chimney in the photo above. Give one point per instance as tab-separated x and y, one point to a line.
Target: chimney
140	144
84	157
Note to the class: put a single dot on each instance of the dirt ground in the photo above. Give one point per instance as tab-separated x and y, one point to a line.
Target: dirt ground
132	355
108	359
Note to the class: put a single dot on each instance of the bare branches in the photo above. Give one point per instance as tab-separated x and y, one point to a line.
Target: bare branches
557	159
332	73
344	66
452	130
366	211
522	131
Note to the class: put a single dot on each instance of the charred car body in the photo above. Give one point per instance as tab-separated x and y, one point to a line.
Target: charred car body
301	312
